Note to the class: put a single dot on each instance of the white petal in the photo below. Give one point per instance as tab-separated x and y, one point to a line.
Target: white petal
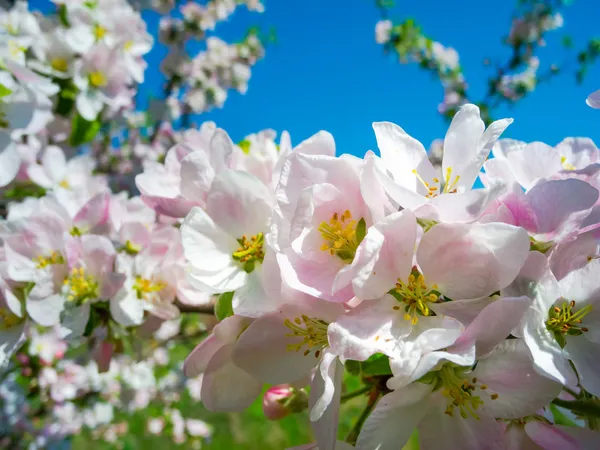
472	261
509	372
226	387
394	419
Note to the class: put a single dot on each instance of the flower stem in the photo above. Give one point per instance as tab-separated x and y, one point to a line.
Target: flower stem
353	435
583	407
351	395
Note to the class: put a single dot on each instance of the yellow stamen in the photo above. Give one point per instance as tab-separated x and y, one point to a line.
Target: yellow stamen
415	295
340	236
449	184
250	251
566	165
97	79
59	64
312	331
81	286
99	31
566	321
8	319
146	289
43	261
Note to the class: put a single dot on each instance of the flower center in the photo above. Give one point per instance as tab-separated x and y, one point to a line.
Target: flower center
449	183
81	286
59	64
566	165
458	389
566	320
146	289
250	251
8	319
97	79
64	184
44	261
312	331
340	235
99	31
415	295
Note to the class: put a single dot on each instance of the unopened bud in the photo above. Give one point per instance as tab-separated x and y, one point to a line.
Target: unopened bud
283	400
23	359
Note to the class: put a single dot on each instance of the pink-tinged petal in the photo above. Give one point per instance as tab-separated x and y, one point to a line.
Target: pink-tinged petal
54	163
508	371
196	176
586	358
263	352
205	245
560	206
239	203
522	212
324	401
533	162
505	146
312	278
394	419
465	311
99	256
573	255
402	154
557	437
372	327
10	161
437	429
226	387
472	261
535	281
486	331
461	207
197	361
593	100
46	311
515	438
385	254
321	143
135	232
171	207
220	149
93	214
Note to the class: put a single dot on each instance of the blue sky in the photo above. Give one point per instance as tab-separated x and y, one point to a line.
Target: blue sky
327	72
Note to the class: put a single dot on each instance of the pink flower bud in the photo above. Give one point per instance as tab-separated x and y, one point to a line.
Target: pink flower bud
282	400
23	359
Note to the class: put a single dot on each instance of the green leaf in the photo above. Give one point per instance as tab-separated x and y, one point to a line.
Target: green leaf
83	130
223	307
560	418
376	365
361	230
353	367
4	91
62	16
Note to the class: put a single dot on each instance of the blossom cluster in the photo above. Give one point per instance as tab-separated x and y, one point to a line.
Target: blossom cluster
200	83
477	305
49	397
510	82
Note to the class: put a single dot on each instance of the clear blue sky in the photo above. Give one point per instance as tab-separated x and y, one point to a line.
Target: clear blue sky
327	72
